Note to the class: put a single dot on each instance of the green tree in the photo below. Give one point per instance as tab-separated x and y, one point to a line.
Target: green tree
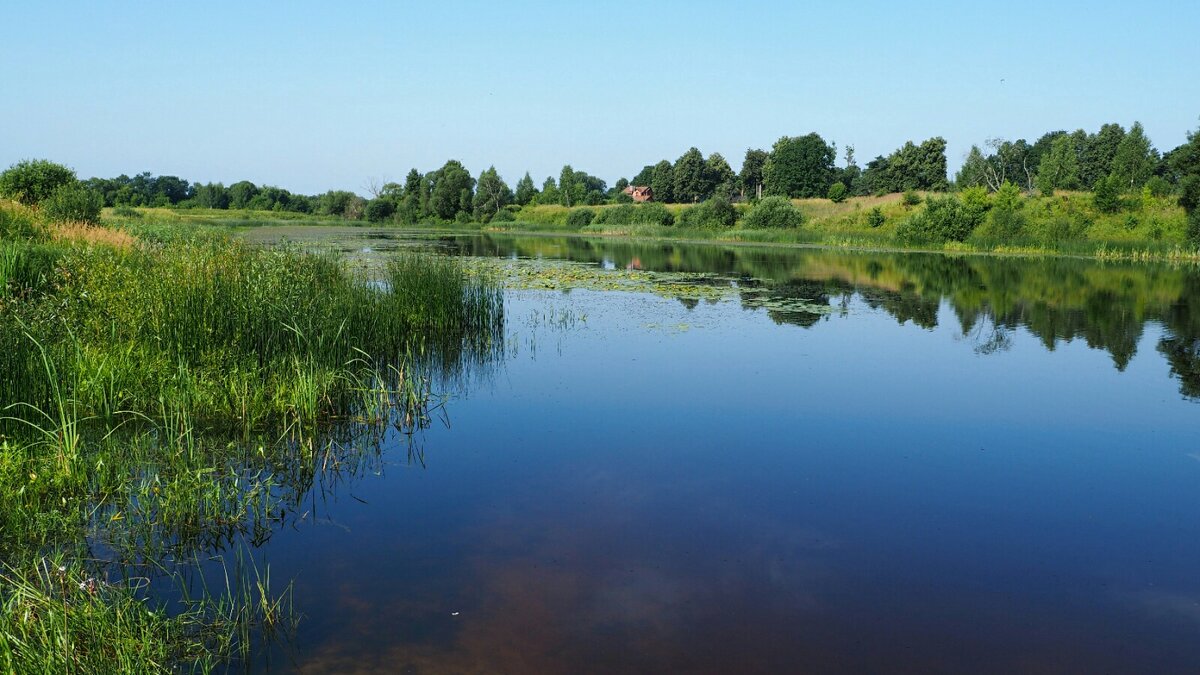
910	167
73	202
1059	168
32	180
452	191
1135	159
691	184
240	194
973	171
799	166
751	176
1106	194
837	192
526	190
773	212
211	196
491	195
719	176
571	190
662	183
644	177
1097	153
549	194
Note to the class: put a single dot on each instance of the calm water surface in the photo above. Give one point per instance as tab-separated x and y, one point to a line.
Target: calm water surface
954	465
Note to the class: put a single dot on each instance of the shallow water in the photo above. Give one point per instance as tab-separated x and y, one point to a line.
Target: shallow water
948	465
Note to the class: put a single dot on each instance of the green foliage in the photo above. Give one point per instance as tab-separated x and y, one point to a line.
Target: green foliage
581	217
1189	193
751	176
690	182
911	167
1107	194
32	181
1097	152
773	212
526	190
875	218
504	215
715	212
1006	221
452	190
799	167
17	222
662	182
1059	168
1193	228
943	219
491	195
1134	160
974	170
379	210
910	198
73	202
1158	186
837	192
651	213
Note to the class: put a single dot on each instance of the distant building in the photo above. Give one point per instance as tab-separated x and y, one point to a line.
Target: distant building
640	193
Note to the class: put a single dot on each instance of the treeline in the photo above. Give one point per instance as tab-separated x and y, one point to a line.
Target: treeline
1111	162
146	189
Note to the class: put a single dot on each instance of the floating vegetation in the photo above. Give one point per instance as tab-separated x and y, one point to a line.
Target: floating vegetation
556	275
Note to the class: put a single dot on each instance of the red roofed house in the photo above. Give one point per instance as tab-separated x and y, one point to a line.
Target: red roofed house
640	193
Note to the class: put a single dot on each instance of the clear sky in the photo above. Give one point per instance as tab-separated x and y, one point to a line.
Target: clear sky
318	95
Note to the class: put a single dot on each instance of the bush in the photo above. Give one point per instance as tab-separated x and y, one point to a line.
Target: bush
17	222
124	211
911	198
1158	186
379	210
73	202
714	212
635	214
837	192
875	217
654	214
580	217
1107	195
503	216
944	219
1007	218
1189	193
1193	228
33	180
773	212
462	218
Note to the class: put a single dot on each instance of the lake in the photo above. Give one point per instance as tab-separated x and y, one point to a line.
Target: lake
713	459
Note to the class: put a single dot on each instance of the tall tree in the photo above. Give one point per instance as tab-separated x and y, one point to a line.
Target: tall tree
690	183
1097	153
719	176
549	194
799	166
452	190
526	190
662	183
1059	168
1135	159
644	177
973	172
491	195
751	176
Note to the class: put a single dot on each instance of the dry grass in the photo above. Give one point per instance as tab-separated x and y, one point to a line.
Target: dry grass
83	233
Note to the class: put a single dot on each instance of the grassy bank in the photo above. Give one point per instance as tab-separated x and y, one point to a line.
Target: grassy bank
169	394
1144	228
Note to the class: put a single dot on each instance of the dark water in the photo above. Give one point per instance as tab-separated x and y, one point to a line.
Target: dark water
963	465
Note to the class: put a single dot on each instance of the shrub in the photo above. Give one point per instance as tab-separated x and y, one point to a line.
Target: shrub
944	219
17	222
580	217
462	217
379	210
503	216
33	180
1189	193
654	214
1007	218
124	211
622	214
837	192
875	217
1193	228
635	214
1158	186
73	202
773	212
1107	194
911	198
714	212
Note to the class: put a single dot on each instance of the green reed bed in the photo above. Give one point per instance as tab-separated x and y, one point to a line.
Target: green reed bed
175	399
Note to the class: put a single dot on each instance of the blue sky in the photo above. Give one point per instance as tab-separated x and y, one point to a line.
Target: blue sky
318	95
